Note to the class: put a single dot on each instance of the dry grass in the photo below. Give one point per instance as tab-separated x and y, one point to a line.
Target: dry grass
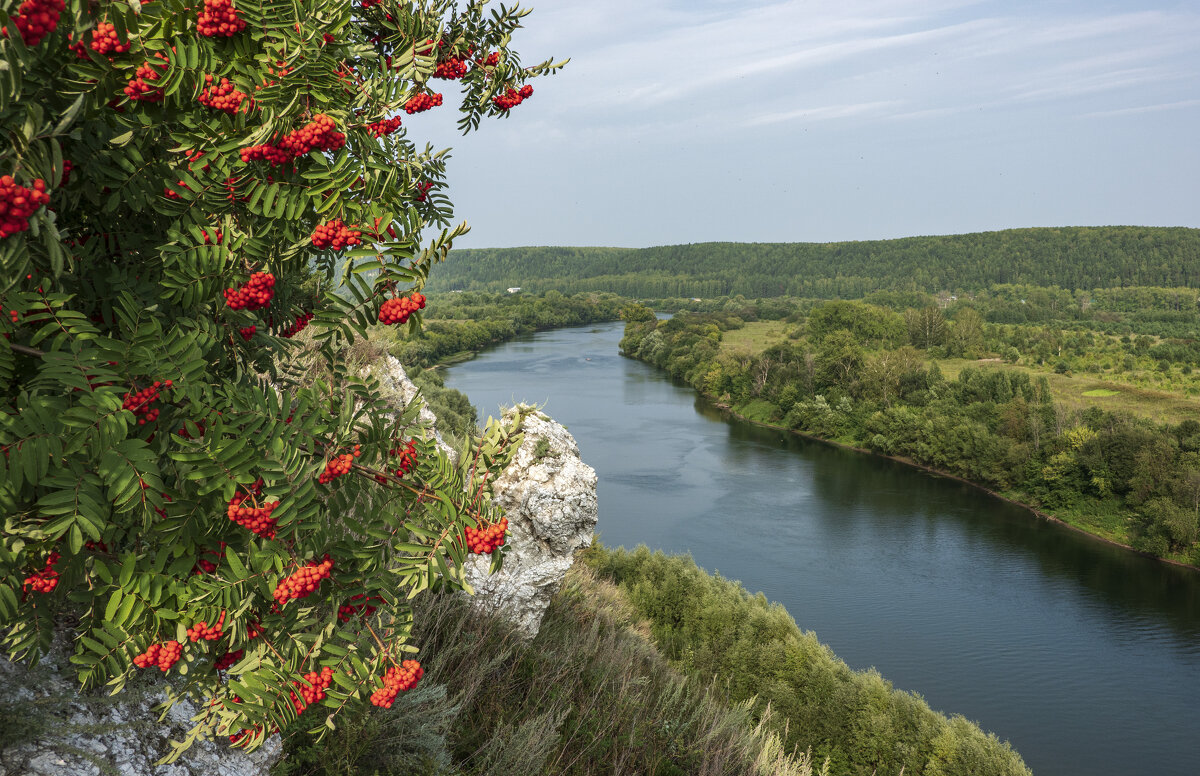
755	337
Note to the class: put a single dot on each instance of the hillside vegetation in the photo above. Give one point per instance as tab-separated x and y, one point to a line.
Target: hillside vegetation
1069	257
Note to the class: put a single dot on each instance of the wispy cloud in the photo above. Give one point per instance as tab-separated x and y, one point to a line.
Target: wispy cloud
1143	109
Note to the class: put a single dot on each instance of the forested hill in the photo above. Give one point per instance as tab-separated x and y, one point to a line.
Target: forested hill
1068	257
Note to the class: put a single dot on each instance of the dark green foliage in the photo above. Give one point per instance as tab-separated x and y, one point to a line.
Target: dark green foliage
710	626
1070	257
456	414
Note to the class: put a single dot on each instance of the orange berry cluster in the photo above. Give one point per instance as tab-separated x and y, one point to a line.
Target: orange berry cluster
451	69
423	190
256	519
292	329
398	310
105	40
302	582
170	193
162	655
487	539
408	458
139	89
139	402
227	659
223	95
397	679
313	691
18	203
365	608
36	19
254	294
338	466
45	579
201	630
384	127
320	134
336	235
512	98
217	237
247	332
422	102
219	18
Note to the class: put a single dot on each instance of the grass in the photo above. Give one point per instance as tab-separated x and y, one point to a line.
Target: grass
1082	391
589	695
755	336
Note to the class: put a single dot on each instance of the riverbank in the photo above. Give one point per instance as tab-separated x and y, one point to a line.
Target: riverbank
1035	511
1127	479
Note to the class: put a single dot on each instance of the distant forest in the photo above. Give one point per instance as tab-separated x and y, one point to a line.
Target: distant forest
1068	257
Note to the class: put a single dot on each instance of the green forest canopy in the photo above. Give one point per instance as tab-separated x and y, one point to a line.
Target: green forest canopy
1068	257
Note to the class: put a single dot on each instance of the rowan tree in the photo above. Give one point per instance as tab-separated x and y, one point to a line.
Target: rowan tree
185	189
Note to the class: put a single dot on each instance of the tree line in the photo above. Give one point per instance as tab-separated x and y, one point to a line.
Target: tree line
1069	257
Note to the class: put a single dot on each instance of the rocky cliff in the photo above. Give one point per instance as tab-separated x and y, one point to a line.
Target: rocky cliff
48	729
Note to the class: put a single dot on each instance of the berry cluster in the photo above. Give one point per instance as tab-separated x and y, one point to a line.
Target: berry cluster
320	134
365	608
491	60
222	96
451	69
292	329
45	579
201	630
255	294
170	193
18	203
228	659
219	18
396	680
398	310
302	582
384	127
162	655
312	689
487	539
422	102
423	190
139	89
408	458
139	402
254	518
247	332
336	235
68	165
338	466
512	98
217	237
36	19
105	40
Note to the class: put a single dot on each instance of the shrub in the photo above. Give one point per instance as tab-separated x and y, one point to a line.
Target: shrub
188	188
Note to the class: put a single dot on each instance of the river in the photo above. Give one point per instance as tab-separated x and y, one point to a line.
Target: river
1084	656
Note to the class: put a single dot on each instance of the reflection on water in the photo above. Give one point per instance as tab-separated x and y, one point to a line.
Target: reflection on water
1085	656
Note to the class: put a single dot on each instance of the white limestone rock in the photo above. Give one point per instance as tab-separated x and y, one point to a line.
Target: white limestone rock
549	497
391	375
51	729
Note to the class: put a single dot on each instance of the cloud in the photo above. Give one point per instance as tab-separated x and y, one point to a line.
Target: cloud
1143	109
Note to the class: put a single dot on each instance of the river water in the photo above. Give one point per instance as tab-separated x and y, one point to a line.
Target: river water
1084	656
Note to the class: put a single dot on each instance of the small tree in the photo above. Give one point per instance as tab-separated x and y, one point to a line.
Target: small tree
186	188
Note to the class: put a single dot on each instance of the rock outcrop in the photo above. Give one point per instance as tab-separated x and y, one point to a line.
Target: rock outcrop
394	380
549	497
47	728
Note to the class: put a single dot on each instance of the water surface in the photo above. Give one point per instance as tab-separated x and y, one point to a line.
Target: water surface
1085	656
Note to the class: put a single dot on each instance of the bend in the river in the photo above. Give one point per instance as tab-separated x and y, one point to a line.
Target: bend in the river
1083	655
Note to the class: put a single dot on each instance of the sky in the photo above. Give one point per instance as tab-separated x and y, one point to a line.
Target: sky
681	121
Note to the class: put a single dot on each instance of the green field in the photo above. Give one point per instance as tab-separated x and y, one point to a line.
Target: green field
755	336
1081	391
